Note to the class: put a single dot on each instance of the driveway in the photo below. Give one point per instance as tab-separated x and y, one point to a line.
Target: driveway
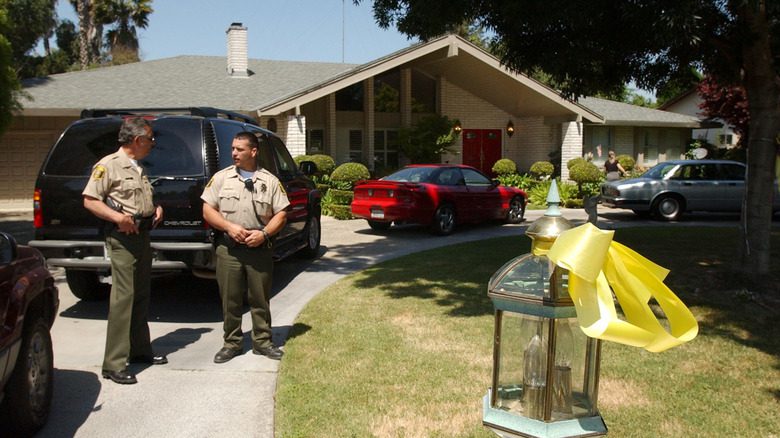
192	396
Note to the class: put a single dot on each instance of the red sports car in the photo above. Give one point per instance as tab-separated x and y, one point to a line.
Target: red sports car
439	195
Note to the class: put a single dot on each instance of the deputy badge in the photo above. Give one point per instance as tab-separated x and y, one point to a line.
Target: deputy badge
98	172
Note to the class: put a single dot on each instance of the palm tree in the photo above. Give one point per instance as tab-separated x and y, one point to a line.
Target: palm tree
125	16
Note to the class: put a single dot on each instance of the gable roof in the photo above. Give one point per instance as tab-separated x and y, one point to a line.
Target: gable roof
181	81
625	114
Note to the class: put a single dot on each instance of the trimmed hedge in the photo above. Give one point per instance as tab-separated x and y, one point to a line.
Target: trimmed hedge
340	197
325	163
340	212
626	161
504	166
350	173
542	169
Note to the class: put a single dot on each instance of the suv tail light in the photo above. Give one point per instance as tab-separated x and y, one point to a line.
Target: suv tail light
37	212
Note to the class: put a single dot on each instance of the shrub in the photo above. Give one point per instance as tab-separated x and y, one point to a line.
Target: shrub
504	166
542	169
523	182
340	197
537	195
340	212
349	173
324	163
626	161
574	162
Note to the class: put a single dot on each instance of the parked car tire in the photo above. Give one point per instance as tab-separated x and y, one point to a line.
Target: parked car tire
444	220
379	226
29	391
668	207
313	235
86	286
516	210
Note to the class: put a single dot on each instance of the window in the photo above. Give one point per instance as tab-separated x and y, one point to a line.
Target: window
350	98
178	150
283	159
387	92
449	177
315	141
423	93
726	139
732	172
356	146
475	179
386	149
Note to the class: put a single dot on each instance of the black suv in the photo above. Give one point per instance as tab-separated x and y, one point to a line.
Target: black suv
192	145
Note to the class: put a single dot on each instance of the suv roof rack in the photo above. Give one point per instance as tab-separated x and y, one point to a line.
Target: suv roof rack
201	111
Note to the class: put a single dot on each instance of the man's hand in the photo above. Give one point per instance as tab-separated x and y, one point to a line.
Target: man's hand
255	239
237	232
127	225
158	216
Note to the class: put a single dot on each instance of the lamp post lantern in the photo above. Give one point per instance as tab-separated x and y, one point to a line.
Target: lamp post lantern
545	370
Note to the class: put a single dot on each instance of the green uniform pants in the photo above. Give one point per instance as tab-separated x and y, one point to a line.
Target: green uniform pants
128	330
238	269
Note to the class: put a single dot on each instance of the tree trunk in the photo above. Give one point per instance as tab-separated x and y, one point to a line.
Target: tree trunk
763	93
85	25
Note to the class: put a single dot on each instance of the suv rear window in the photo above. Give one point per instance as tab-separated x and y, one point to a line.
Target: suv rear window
178	150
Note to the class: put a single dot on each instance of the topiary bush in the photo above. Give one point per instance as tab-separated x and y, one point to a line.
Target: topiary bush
626	161
542	169
325	164
583	173
574	162
504	166
350	173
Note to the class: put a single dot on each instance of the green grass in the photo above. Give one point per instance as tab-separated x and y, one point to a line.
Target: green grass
405	349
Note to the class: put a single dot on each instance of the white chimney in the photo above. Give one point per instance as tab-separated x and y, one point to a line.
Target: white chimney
237	53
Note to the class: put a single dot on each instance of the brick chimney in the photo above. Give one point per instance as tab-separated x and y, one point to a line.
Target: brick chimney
237	53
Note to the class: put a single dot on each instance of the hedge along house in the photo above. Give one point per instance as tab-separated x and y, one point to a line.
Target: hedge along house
351	112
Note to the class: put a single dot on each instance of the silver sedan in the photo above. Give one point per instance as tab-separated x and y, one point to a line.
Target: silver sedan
673	187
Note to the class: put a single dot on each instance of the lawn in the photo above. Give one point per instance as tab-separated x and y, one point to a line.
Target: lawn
404	349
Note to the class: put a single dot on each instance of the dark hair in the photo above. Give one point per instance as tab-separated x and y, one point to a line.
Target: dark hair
254	143
131	128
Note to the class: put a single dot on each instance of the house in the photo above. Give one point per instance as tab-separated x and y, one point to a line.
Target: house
719	134
351	112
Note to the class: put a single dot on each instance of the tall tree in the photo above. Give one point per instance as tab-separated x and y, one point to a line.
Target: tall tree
28	21
9	83
125	16
598	45
726	102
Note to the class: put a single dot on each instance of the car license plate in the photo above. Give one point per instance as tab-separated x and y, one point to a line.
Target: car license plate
377	214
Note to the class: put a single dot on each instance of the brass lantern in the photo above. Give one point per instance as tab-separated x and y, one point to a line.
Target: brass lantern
545	370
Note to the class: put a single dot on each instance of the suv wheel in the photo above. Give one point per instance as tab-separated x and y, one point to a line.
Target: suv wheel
86	286
313	234
29	391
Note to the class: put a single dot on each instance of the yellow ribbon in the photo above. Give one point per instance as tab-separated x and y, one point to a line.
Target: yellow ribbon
595	263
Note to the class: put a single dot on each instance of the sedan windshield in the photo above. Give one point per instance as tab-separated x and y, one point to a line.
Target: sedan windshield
412	174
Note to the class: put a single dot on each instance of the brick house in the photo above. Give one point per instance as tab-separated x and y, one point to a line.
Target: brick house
351	112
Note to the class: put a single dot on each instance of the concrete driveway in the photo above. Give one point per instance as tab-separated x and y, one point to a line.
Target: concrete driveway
192	396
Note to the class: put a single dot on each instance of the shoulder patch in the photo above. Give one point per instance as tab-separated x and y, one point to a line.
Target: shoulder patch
210	182
99	172
281	187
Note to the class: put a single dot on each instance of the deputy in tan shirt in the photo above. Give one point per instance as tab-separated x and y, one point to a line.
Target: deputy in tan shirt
247	204
119	179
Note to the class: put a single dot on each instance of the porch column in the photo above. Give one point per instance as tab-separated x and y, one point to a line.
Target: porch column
368	122
330	147
296	135
571	145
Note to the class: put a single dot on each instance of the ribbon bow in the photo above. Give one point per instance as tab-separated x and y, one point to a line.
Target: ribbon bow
596	263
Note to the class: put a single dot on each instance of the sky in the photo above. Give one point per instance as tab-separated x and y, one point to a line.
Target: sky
294	30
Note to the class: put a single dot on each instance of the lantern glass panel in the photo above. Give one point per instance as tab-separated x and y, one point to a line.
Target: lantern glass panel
572	379
531	276
522	363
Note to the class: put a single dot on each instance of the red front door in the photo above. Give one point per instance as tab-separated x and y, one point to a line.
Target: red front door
482	148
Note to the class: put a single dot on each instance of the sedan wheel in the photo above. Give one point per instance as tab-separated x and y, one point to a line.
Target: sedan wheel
444	220
516	210
668	208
